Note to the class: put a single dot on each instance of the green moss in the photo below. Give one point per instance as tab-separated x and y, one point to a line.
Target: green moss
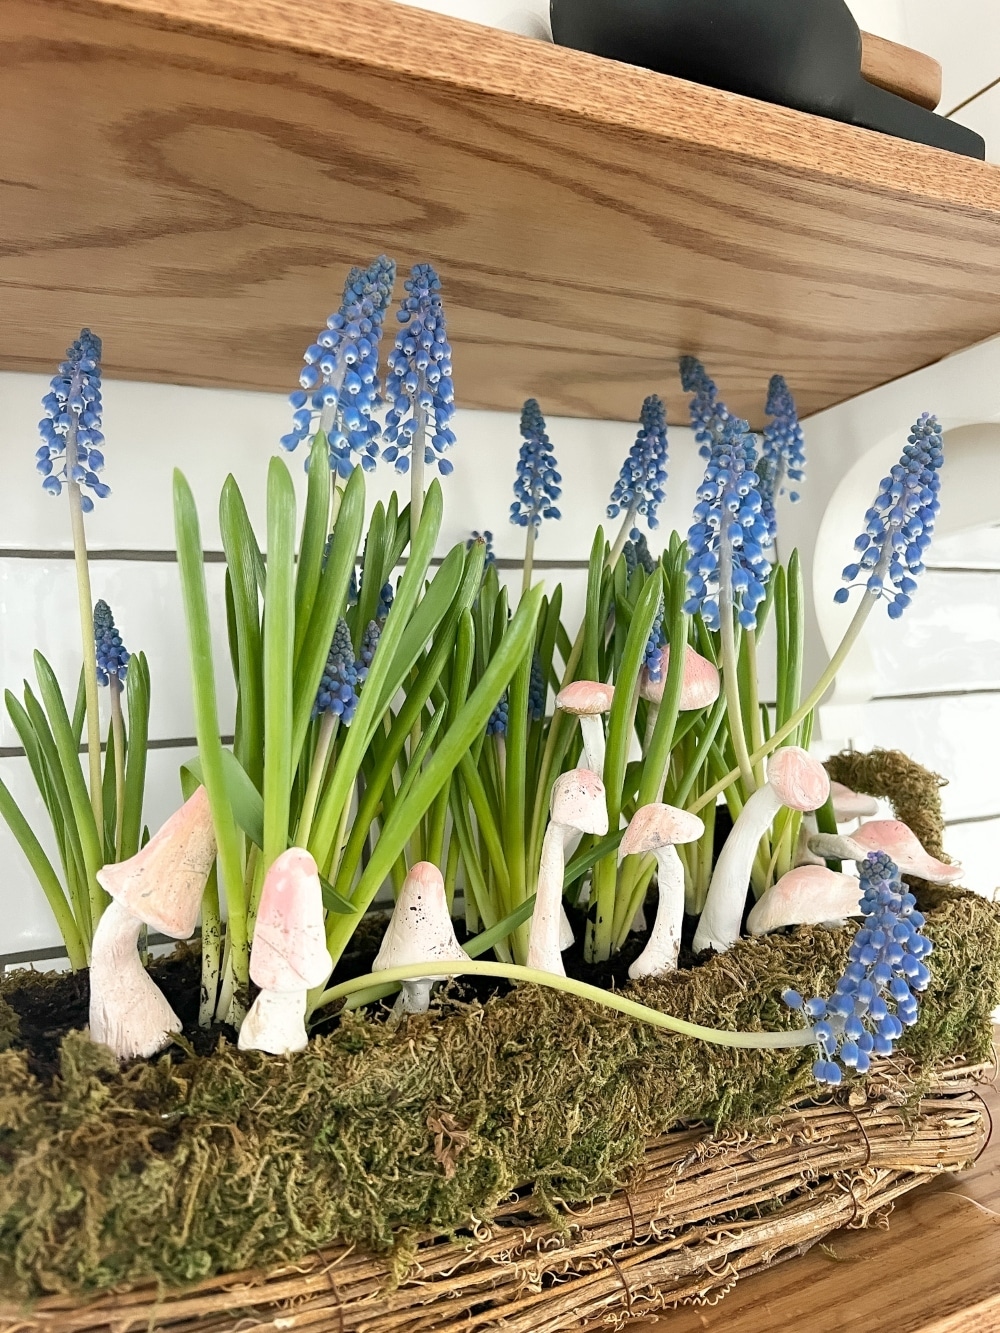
183	1168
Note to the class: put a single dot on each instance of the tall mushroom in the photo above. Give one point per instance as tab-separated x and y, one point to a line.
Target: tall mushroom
160	887
807	896
898	842
578	804
658	828
420	931
589	700
289	955
795	779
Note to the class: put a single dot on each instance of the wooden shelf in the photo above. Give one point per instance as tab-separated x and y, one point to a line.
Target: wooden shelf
193	177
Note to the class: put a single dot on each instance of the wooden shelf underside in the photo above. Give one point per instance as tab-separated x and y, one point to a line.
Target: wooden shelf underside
192	178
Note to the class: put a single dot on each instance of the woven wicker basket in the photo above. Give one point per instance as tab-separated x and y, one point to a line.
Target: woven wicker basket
707	1211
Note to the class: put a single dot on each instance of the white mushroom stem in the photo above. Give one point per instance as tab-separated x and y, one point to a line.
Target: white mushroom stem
664	944
592	731
128	1011
276	1023
719	925
566	936
544	953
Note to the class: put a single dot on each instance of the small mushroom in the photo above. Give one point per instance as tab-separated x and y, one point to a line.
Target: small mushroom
701	684
795	779
420	931
658	828
589	700
160	887
579	804
896	840
808	896
849	805
289	955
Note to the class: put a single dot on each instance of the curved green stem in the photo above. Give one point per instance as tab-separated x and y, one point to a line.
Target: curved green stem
816	694
86	602
118	740
628	523
327	731
770	1041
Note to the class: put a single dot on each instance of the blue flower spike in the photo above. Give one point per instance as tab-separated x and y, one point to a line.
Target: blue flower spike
729	535
640	488
782	455
340	686
71	427
653	656
900	524
340	391
709	413
876	998
496	724
537	485
112	656
419	384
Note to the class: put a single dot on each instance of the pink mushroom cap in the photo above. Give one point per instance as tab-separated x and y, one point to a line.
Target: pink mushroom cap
289	942
800	781
849	804
162	885
806	896
701	685
903	846
657	825
579	801
586	698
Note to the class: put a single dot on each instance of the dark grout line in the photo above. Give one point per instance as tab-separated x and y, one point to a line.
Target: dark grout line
969	100
973	819
219	558
168	743
936	694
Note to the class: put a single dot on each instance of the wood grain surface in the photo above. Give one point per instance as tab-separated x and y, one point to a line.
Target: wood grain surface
901	70
192	178
935	1270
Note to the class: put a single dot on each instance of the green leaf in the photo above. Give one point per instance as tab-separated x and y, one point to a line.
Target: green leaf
242	552
137	694
245	800
315	531
333	902
279	635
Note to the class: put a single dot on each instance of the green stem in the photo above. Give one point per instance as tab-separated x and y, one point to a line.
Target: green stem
529	557
730	666
816	694
628	522
118	739
762	1041
417	478
85	598
753	705
327	732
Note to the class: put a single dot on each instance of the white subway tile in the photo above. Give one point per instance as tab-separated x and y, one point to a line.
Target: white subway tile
964	35
977	847
39	598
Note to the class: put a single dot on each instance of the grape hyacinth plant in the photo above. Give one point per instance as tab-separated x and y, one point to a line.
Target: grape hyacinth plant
71	457
876	998
112	669
419	387
340	389
709	413
639	490
537	483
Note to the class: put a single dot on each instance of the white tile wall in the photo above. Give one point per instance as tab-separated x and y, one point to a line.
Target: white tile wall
964	35
152	429
975	846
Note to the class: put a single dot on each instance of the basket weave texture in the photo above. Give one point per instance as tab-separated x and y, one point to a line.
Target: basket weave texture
706	1211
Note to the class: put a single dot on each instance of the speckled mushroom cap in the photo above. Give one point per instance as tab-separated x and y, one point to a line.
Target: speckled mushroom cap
163	883
900	843
848	805
420	929
799	781
579	801
657	825
806	896
289	940
701	685
586	698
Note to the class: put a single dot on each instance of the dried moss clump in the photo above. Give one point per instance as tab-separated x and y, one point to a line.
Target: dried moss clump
179	1169
915	792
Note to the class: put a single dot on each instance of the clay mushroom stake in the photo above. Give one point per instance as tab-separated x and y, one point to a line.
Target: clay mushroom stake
589	700
850	805
656	829
420	931
699	689
160	887
794	779
807	896
896	840
289	955
578	805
